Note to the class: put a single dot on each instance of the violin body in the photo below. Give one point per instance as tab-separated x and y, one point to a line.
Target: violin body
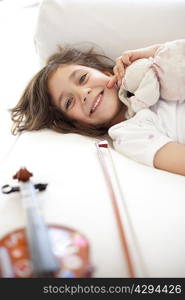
39	250
69	246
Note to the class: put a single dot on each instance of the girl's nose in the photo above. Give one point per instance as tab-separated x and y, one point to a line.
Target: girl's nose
85	94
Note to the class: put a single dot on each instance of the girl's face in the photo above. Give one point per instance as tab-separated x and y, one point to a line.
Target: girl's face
82	94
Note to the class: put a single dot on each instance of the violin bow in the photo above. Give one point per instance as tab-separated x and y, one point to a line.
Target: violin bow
107	164
43	260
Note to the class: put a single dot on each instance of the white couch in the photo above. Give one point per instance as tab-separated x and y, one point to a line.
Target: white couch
77	195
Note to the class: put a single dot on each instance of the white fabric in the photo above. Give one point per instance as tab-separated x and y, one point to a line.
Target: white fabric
140	137
114	26
172	115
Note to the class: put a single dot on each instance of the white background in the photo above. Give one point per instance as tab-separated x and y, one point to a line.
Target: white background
18	59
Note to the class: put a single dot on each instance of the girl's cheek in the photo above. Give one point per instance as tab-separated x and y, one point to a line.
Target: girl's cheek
101	79
105	80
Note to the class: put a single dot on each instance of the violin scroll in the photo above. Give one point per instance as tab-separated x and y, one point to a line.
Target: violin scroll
23	175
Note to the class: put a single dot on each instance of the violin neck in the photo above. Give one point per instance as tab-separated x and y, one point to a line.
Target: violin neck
43	260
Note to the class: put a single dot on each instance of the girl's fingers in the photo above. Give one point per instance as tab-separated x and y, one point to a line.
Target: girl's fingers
119	69
112	82
119	65
126	58
118	72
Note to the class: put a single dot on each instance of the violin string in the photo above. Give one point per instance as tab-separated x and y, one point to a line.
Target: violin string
121	230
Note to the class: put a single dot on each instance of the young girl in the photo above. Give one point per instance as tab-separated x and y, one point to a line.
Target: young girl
78	92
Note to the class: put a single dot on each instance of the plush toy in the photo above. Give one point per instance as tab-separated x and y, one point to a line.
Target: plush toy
148	79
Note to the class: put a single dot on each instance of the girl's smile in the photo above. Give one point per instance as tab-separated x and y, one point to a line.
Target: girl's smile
82	94
96	103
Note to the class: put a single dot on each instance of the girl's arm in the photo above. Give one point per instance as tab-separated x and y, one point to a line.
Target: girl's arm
127	58
141	53
171	158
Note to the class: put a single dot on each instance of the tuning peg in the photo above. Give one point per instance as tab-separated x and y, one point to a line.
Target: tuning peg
7	189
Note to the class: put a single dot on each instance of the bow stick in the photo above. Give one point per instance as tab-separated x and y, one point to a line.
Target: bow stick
103	150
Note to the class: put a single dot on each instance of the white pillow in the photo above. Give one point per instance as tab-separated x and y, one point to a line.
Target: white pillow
114	25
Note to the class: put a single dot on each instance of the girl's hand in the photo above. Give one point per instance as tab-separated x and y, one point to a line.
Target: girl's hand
119	69
126	59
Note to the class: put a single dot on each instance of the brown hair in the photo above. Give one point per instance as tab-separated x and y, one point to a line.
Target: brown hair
35	110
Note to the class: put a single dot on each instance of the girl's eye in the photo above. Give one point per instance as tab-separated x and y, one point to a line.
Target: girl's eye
68	103
82	78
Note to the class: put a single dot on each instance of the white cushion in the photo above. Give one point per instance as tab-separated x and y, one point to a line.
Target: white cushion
113	25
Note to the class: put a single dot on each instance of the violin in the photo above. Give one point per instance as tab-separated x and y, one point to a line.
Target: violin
41	250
